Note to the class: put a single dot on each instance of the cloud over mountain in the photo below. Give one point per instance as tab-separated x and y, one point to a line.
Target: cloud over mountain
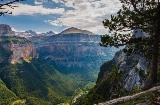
86	14
58	15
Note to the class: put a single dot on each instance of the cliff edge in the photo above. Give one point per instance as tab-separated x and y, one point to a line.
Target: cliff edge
13	49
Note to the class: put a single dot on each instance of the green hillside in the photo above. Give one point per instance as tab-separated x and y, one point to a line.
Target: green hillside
36	82
7	96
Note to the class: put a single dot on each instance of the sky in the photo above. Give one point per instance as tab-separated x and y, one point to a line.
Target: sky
57	15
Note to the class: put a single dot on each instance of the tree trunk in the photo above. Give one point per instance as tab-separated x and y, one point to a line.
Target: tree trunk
153	74
155	53
129	98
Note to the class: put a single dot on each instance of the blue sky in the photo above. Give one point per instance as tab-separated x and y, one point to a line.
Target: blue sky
57	15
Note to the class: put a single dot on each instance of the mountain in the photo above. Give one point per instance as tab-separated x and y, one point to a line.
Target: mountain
63	67
27	80
121	76
30	33
73	30
13	49
75	53
5	30
50	33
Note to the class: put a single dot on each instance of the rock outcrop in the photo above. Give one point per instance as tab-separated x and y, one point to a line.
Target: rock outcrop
19	48
133	67
12	48
5	30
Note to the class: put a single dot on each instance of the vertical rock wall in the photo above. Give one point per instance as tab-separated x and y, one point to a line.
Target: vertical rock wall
19	50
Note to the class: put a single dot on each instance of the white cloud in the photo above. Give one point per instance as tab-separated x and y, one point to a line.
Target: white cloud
24	9
13	29
37	2
55	22
86	14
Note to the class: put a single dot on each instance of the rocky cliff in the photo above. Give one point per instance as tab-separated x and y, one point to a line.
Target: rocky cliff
133	67
75	52
12	48
5	30
18	47
121	76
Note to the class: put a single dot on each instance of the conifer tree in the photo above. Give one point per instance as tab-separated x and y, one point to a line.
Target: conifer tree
141	14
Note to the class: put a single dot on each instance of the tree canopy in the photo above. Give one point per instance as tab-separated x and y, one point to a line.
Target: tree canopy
136	14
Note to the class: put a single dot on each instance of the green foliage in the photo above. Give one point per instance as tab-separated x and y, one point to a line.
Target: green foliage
38	83
136	14
104	69
6	95
13	39
108	88
133	15
4	54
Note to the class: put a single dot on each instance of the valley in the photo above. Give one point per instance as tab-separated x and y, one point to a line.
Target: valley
79	52
50	69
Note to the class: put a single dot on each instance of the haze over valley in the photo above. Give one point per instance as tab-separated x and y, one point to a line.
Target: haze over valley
71	58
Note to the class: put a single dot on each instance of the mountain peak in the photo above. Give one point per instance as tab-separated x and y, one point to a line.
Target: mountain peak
5	30
72	30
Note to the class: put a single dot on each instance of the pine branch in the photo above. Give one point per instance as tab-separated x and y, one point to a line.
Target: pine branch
9	4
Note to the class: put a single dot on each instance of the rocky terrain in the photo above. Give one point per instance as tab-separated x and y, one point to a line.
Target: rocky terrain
5	30
17	47
74	51
121	76
134	69
27	80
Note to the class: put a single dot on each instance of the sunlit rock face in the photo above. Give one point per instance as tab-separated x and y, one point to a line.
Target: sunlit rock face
133	67
5	30
13	49
17	49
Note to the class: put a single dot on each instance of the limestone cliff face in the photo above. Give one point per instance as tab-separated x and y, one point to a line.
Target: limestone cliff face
5	30
134	69
19	48
74	52
13	49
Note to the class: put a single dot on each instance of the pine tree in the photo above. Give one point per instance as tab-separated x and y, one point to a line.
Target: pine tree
141	14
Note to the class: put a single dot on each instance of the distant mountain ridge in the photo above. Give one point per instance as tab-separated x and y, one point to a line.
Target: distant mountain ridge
74	30
31	33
